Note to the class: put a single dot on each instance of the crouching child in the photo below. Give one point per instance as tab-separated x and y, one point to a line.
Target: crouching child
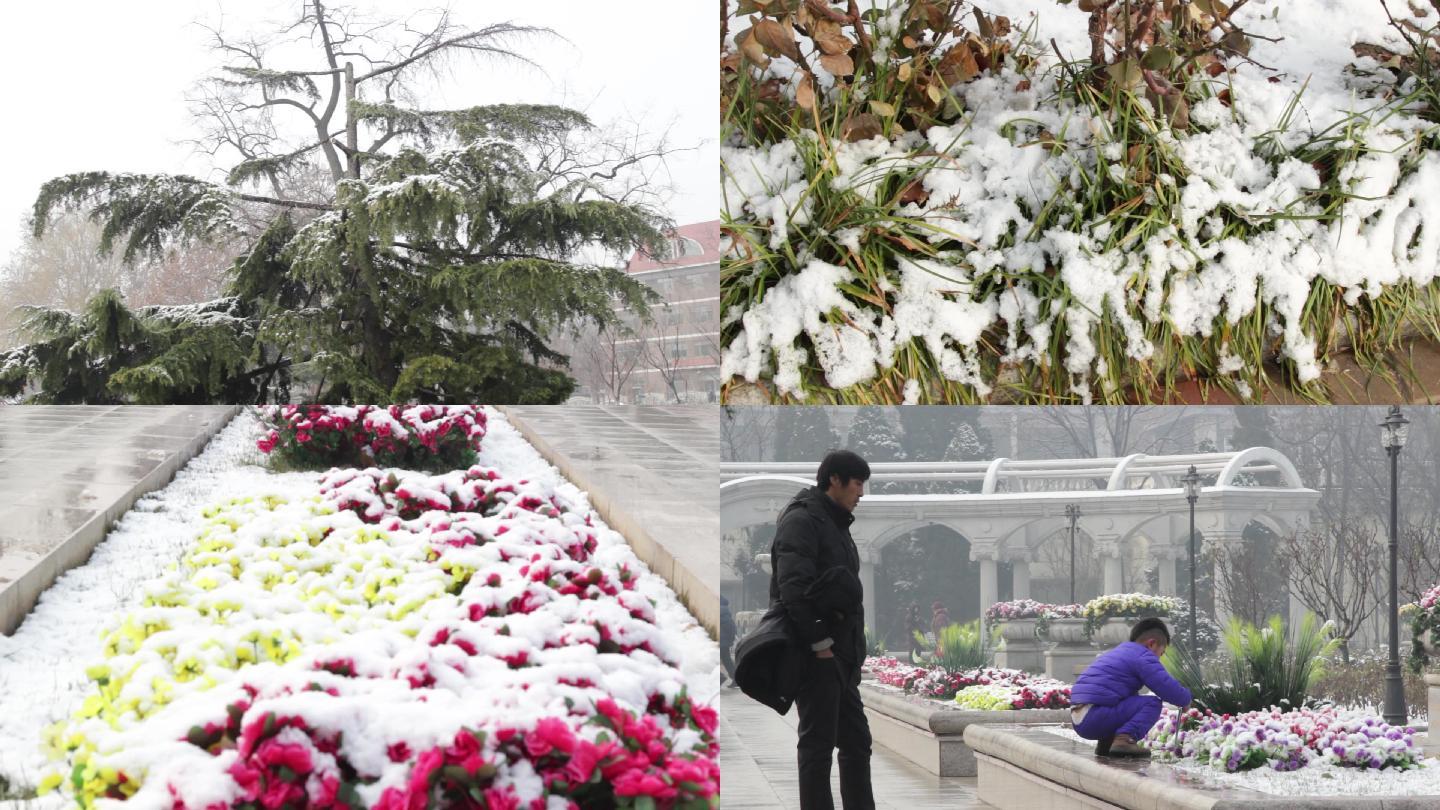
1106	704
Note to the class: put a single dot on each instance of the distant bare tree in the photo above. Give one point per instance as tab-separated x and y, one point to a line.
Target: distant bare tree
661	348
1419	556
607	359
1335	571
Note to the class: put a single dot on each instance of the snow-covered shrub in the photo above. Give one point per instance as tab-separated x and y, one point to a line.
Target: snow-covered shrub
413	436
349	650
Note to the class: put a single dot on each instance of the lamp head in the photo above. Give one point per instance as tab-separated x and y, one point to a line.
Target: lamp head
1394	430
1191	480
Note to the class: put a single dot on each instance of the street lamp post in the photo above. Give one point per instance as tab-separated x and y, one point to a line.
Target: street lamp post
1191	480
1392	438
1072	511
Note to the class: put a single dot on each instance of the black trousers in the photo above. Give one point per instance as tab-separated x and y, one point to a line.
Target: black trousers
725	660
832	716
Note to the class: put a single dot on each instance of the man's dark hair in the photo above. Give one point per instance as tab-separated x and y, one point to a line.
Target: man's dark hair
843	463
1150	628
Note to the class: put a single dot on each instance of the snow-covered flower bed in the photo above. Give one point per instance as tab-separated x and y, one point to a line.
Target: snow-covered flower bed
1283	741
395	639
1064	241
320	436
989	688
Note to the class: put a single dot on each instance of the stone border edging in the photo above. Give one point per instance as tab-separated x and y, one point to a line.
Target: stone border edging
702	601
1011	764
19	596
932	735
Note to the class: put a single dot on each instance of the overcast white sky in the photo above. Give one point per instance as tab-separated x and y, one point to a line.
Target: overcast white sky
96	84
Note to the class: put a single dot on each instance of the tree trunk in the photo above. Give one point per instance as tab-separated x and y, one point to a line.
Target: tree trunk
352	126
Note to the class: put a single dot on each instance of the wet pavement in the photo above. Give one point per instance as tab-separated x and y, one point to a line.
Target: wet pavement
757	759
653	473
67	472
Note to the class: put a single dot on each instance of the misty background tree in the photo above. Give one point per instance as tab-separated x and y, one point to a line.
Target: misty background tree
391	252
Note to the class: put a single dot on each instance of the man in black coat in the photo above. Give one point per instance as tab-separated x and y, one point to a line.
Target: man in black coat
812	540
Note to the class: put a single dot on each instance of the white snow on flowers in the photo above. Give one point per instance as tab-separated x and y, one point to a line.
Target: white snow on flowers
991	174
1304	753
375	629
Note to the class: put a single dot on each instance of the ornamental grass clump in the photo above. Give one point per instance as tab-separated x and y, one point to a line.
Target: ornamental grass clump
1259	667
962	647
1037	226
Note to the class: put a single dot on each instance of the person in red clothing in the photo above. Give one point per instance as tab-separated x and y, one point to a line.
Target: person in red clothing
1106	704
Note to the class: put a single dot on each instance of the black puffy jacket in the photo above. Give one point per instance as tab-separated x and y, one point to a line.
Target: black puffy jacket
812	536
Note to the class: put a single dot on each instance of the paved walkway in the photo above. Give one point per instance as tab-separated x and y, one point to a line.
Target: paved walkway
67	472
653	473
758	772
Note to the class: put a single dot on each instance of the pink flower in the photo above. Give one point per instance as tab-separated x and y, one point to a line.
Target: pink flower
639	783
706	718
274	754
550	734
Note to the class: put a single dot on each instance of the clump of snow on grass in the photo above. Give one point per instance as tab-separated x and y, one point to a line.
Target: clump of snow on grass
990	175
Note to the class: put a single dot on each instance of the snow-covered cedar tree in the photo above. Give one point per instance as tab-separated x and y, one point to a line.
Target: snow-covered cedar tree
394	253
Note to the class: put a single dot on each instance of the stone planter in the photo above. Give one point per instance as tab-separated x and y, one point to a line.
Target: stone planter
1432	703
1429	643
1112	633
1013	630
1071	651
1067	632
1019	648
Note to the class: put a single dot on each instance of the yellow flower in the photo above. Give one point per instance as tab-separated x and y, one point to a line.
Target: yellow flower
49	783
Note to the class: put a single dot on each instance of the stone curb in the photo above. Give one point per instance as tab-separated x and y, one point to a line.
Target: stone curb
18	597
932	735
1006	755
702	599
941	720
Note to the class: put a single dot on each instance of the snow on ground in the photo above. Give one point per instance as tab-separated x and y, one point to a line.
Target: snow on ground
1316	779
991	174
42	666
505	449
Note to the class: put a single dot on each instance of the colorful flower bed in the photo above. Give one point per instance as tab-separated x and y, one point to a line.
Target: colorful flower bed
413	436
986	689
399	641
1127	606
1283	741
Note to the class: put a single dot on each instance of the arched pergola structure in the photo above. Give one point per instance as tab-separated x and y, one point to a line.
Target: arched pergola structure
1021	503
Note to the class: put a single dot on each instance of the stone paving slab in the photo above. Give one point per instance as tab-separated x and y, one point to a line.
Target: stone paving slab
653	473
758	768
68	472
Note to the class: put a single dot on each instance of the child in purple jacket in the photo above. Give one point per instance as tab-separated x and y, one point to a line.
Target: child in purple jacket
1106	705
